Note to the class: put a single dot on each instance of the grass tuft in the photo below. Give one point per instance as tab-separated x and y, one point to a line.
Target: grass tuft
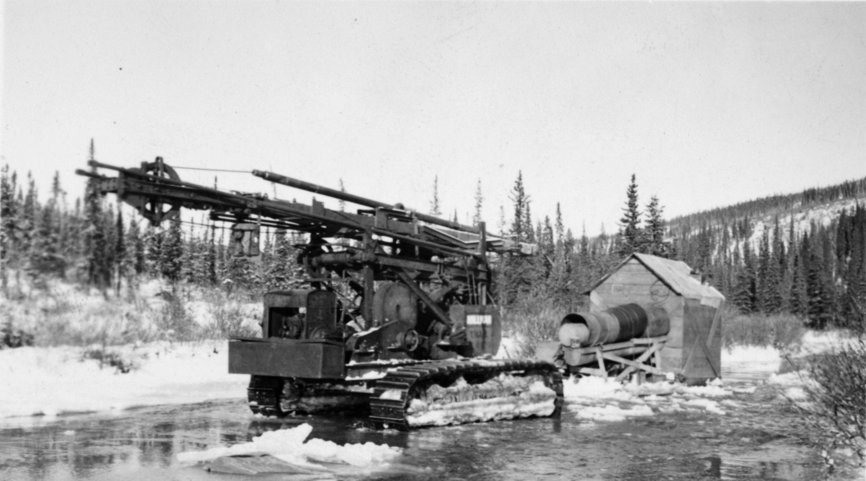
781	331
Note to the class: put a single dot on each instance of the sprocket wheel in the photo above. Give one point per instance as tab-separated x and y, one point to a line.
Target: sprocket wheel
152	207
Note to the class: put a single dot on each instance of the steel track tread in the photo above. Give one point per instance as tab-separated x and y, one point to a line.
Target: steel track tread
391	412
263	395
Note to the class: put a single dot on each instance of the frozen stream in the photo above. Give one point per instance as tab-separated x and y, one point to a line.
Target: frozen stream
756	438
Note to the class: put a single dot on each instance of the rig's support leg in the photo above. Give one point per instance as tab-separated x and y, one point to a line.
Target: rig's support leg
600	358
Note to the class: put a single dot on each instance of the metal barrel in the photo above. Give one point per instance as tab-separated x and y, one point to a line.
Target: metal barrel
357	199
616	324
632	320
658	322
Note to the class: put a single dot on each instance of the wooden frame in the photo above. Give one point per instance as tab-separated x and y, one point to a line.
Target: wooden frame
578	358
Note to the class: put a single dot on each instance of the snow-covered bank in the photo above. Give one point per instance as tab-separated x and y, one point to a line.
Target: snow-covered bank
56	380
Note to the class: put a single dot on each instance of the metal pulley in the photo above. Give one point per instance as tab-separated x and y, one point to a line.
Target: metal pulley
409	340
152	206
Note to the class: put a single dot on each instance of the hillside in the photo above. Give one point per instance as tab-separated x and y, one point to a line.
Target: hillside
803	253
814	205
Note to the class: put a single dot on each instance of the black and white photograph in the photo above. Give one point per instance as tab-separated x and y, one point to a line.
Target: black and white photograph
432	240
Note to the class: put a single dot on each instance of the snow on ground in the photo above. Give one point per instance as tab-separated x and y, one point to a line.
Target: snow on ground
291	446
597	399
750	361
508	348
55	380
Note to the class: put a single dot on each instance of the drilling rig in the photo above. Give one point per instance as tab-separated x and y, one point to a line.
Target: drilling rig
396	316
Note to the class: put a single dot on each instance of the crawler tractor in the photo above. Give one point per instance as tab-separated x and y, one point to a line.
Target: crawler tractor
396	315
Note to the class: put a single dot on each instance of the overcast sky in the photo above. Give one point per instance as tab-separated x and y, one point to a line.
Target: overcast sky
709	104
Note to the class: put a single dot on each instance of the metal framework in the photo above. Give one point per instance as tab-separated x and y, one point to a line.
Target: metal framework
379	241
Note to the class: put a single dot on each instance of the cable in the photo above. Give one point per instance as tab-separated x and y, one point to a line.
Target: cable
212	170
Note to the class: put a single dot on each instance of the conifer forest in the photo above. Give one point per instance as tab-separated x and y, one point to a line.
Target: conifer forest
803	254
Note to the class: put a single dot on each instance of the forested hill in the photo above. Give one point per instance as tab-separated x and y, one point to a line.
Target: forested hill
803	253
818	200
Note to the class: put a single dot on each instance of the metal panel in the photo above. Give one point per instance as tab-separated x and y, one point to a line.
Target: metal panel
310	359
321	314
482	324
702	342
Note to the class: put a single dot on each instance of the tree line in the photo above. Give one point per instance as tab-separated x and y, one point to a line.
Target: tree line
761	264
765	261
815	269
89	241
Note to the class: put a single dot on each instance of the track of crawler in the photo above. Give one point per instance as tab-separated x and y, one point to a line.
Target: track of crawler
394	393
263	395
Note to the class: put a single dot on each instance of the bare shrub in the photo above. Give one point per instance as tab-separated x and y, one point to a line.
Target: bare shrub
11	336
174	322
110	358
229	320
836	392
782	331
531	322
61	320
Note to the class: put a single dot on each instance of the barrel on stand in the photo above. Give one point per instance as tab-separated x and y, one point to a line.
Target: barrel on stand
616	324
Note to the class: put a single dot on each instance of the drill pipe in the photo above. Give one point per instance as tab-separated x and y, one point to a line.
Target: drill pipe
357	199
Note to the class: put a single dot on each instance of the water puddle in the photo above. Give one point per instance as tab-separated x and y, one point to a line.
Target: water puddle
755	438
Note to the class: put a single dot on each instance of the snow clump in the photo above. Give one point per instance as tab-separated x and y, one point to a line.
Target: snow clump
292	446
605	400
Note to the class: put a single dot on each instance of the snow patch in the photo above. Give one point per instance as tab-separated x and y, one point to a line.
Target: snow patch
291	446
604	400
50	381
509	348
706	404
504	397
750	361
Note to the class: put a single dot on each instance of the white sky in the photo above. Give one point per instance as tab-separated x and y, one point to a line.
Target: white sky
707	103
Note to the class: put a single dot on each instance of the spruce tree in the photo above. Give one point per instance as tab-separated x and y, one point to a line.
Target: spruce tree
8	218
132	262
559	227
29	215
435	208
527	224
119	251
136	253
655	229
171	252
153	249
630	235
521	201
95	240
703	261
797	304
769	298
518	272
745	295
479	204
281	273
64	242
547	247
211	259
